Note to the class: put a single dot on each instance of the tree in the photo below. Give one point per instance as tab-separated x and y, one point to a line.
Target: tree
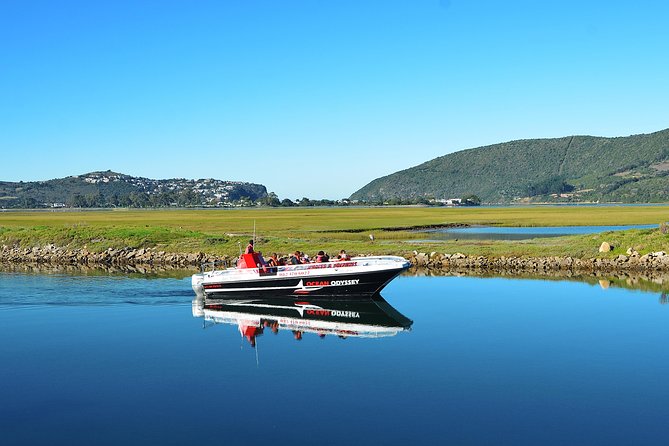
471	200
113	200
271	200
552	185
188	197
93	200
29	203
138	200
77	201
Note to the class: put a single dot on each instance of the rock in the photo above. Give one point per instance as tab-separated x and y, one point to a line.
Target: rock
422	259
566	262
605	247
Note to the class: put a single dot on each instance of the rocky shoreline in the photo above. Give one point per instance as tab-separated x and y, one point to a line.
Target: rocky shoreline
51	254
631	261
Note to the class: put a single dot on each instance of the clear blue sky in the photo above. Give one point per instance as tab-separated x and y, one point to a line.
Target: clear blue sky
315	98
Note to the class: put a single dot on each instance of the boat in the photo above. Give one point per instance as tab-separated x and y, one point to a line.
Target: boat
360	316
251	276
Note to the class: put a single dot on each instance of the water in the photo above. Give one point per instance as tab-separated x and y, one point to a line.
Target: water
521	233
477	361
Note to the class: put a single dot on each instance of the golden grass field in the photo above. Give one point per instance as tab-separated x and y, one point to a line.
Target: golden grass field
310	229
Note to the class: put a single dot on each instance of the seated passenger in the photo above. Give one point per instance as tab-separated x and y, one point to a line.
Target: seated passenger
321	257
295	258
273	260
343	256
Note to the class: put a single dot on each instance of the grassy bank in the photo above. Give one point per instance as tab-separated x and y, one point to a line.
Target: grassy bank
221	232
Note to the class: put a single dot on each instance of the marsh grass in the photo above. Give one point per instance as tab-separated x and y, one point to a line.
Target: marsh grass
223	232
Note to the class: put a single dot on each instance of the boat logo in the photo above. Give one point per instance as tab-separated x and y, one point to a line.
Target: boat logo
332	282
315	310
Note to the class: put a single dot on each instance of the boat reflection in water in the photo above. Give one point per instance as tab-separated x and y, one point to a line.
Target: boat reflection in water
356	316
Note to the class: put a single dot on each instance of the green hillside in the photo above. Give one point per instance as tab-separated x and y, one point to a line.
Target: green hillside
574	168
112	189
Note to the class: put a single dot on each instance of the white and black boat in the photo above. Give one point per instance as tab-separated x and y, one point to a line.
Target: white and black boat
359	276
362	316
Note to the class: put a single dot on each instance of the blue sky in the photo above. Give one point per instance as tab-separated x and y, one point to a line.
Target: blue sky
315	98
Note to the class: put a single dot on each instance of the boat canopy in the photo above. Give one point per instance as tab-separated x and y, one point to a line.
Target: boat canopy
249	261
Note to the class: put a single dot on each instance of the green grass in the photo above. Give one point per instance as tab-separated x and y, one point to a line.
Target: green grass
221	232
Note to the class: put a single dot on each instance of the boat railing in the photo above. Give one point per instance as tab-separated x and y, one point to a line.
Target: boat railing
335	263
213	266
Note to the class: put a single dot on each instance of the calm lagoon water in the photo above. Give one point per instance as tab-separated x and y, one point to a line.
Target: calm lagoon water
119	360
522	233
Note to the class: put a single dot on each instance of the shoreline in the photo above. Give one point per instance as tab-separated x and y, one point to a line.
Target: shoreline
54	255
632	262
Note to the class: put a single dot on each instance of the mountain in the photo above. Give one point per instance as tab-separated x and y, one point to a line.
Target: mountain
573	168
108	189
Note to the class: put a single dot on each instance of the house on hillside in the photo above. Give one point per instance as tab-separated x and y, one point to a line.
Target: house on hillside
448	201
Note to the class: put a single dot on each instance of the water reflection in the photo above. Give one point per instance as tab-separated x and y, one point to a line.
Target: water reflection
138	271
356	316
491	361
652	281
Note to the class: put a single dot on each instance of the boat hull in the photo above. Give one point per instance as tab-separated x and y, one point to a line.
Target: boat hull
326	285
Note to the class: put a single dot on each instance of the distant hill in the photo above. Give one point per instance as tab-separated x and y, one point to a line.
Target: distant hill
109	189
574	168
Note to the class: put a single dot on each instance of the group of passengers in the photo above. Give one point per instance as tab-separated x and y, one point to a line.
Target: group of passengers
296	258
252	332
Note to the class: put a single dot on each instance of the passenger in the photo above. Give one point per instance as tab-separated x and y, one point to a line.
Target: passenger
263	263
273	260
343	256
321	257
295	258
273	325
249	248
304	258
